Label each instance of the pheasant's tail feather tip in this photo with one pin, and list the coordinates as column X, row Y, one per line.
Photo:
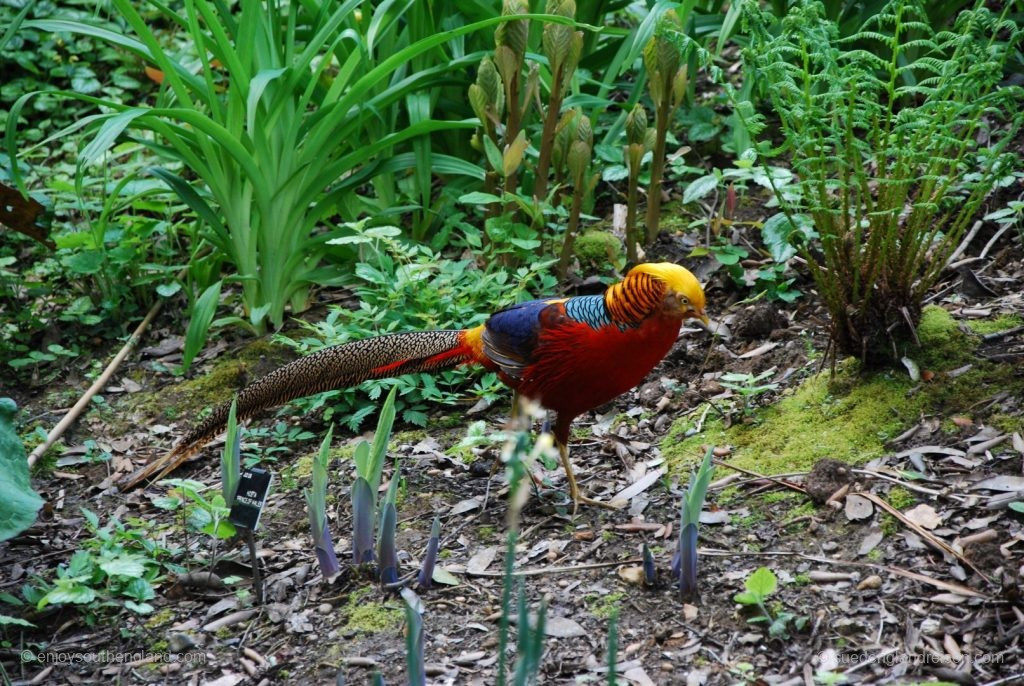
column 157, row 469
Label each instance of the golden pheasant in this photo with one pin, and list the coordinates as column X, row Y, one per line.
column 569, row 355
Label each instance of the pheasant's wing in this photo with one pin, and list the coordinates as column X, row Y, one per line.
column 510, row 336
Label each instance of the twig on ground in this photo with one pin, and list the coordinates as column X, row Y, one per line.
column 96, row 386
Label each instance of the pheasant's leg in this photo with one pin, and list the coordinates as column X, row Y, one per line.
column 574, row 489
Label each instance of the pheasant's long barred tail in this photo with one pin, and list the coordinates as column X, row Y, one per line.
column 341, row 366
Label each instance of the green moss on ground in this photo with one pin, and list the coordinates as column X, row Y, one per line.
column 366, row 616
column 900, row 498
column 822, row 418
column 596, row 247
column 996, row 324
column 191, row 396
column 603, row 607
column 944, row 345
column 850, row 416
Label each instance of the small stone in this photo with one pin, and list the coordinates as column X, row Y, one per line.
column 931, row 626
column 325, row 608
column 666, row 666
column 632, row 575
column 870, row 582
column 180, row 643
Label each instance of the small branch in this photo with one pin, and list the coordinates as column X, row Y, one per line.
column 964, row 243
column 1002, row 334
column 96, row 386
column 780, row 482
column 923, row 533
column 992, row 241
column 540, row 571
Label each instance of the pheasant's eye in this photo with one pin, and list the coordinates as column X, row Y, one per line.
column 684, row 300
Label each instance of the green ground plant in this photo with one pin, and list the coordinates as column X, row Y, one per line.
column 403, row 286
column 883, row 129
column 759, row 587
column 118, row 566
column 283, row 109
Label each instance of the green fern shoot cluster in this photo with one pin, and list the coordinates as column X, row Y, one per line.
column 897, row 134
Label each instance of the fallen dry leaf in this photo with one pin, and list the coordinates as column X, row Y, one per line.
column 858, row 507
column 924, row 516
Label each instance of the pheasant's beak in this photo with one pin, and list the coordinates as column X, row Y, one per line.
column 694, row 313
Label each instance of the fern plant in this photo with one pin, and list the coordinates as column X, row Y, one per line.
column 897, row 133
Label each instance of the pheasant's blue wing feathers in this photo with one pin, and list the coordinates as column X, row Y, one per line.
column 511, row 336
column 589, row 310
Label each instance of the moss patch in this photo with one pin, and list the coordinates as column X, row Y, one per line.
column 900, row 498
column 160, row 618
column 944, row 345
column 824, row 417
column 213, row 388
column 603, row 607
column 369, row 617
column 596, row 247
column 850, row 416
column 996, row 324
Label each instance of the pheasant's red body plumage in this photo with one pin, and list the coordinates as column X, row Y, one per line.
column 569, row 355
column 577, row 367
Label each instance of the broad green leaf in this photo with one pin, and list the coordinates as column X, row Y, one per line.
column 166, row 290
column 494, row 157
column 7, row 620
column 68, row 591
column 443, row 576
column 379, row 449
column 513, row 155
column 19, row 503
column 762, row 582
column 361, row 457
column 775, row 233
column 746, row 598
column 138, row 608
column 139, row 589
column 230, row 461
column 379, row 232
column 700, row 188
column 123, row 565
column 478, row 198
column 85, row 262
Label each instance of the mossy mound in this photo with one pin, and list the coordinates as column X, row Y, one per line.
column 944, row 345
column 597, row 247
column 824, row 417
column 851, row 415
column 191, row 396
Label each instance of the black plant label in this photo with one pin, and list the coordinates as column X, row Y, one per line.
column 253, row 487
